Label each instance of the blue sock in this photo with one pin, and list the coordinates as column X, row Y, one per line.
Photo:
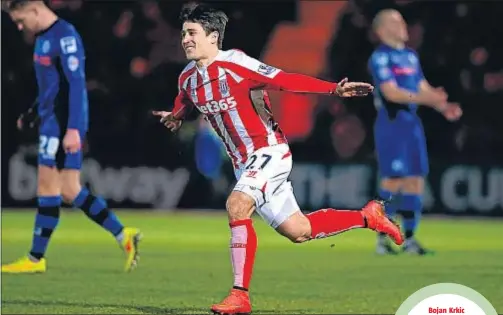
column 97, row 210
column 46, row 221
column 411, row 207
column 391, row 206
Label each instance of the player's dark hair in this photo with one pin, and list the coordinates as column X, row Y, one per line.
column 211, row 20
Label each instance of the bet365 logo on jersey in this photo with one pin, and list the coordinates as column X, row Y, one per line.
column 213, row 107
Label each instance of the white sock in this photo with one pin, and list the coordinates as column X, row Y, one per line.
column 409, row 241
column 119, row 237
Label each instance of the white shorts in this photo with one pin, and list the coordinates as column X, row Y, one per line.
column 265, row 179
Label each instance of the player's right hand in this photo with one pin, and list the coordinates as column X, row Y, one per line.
column 452, row 111
column 168, row 120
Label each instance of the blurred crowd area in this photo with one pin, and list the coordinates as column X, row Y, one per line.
column 134, row 59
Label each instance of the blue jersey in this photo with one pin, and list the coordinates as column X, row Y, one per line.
column 400, row 66
column 59, row 66
column 62, row 95
column 399, row 136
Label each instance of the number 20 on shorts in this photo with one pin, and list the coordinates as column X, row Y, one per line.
column 48, row 146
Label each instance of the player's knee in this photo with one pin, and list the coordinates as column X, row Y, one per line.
column 69, row 191
column 304, row 237
column 296, row 228
column 297, row 236
column 391, row 184
column 45, row 183
column 239, row 206
column 48, row 181
column 413, row 185
column 70, row 185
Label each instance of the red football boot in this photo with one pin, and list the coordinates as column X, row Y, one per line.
column 378, row 221
column 237, row 303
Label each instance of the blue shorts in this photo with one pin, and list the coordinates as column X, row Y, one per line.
column 50, row 149
column 401, row 145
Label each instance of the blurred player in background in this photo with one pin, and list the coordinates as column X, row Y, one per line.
column 209, row 151
column 228, row 88
column 399, row 135
column 62, row 111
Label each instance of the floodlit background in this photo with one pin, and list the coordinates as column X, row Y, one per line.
column 133, row 62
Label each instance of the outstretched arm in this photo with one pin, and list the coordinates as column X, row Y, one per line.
column 262, row 76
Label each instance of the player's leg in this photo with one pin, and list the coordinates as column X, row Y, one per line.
column 48, row 210
column 411, row 201
column 283, row 214
column 389, row 190
column 411, row 205
column 252, row 190
column 96, row 208
column 390, row 144
column 243, row 246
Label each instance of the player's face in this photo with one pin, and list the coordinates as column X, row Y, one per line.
column 25, row 19
column 396, row 27
column 195, row 42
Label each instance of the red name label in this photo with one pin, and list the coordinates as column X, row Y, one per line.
column 43, row 60
column 450, row 310
column 404, row 70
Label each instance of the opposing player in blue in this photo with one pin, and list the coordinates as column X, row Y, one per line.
column 399, row 136
column 61, row 113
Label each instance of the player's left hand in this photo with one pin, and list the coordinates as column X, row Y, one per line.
column 71, row 141
column 27, row 120
column 351, row 89
column 452, row 112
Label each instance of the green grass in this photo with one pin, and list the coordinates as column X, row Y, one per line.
column 185, row 267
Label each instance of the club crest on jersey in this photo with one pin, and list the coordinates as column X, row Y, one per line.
column 46, row 46
column 266, row 69
column 224, row 87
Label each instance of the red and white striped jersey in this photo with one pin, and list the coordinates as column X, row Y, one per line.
column 231, row 93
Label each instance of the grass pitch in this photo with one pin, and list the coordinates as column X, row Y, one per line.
column 185, row 267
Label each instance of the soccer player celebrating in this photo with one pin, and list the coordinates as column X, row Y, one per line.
column 229, row 89
column 399, row 135
column 63, row 117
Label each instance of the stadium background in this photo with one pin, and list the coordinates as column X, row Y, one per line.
column 134, row 58
column 133, row 61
